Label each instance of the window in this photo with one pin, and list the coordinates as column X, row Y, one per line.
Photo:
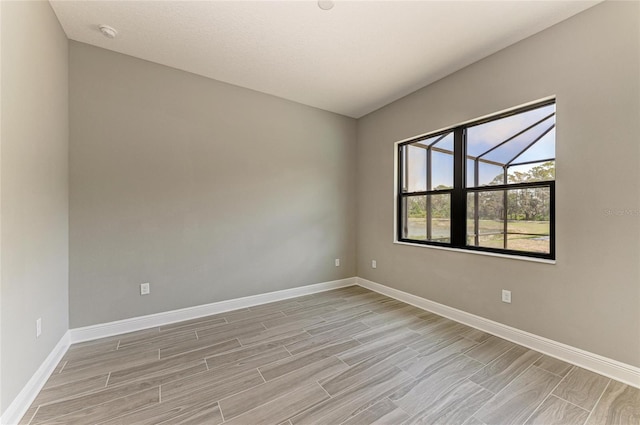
column 488, row 185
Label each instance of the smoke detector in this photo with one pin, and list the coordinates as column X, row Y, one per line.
column 108, row 31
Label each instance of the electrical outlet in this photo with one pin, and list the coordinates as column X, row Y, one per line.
column 374, row 264
column 38, row 327
column 506, row 296
column 337, row 262
column 145, row 288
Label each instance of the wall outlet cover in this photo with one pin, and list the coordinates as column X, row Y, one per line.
column 506, row 296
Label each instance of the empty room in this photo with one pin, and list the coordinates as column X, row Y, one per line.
column 319, row 212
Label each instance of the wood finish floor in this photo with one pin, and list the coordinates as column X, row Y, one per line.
column 348, row 356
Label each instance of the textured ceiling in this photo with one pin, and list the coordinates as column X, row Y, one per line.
column 351, row 60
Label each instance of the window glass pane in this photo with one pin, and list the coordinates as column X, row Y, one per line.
column 525, row 137
column 471, row 210
column 514, row 147
column 446, row 143
column 544, row 148
column 487, row 226
column 528, row 218
column 414, row 218
column 441, row 171
column 536, row 172
column 471, row 169
column 490, row 174
column 481, row 138
column 415, row 173
column 427, row 218
column 439, row 219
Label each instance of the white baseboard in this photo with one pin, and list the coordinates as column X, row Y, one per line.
column 102, row 330
column 23, row 400
column 614, row 369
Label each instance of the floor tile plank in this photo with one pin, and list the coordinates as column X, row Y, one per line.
column 555, row 366
column 209, row 386
column 413, row 396
column 582, row 388
column 437, row 352
column 499, row 373
column 291, row 364
column 99, row 412
column 261, row 394
column 554, row 411
column 492, row 348
column 520, row 398
column 320, row 340
column 453, row 406
column 385, row 412
column 619, row 405
column 354, row 400
column 365, row 369
column 279, row 411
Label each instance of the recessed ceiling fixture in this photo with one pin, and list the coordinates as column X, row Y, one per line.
column 108, row 31
column 326, row 4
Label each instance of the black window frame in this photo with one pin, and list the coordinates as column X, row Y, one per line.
column 459, row 192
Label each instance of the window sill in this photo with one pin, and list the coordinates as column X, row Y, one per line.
column 489, row 254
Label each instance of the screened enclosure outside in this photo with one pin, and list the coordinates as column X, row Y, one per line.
column 487, row 185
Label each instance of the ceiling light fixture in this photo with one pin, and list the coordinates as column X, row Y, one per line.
column 326, row 4
column 108, row 31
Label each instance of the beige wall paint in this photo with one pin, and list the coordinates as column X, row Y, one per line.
column 34, row 190
column 206, row 190
column 590, row 299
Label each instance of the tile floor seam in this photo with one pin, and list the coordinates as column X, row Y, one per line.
column 545, row 399
column 586, row 421
column 486, row 389
column 262, row 376
column 558, row 375
column 96, row 405
column 287, row 350
column 33, row 416
column 482, row 405
column 573, row 404
column 487, row 365
column 221, row 414
column 509, row 383
column 401, row 409
column 323, row 388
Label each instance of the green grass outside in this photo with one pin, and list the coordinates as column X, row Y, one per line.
column 516, row 240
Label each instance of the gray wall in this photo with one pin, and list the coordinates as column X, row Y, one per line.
column 206, row 190
column 590, row 298
column 34, row 190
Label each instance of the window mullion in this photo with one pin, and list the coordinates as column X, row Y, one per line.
column 458, row 201
column 428, row 199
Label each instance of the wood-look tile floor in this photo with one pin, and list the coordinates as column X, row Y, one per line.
column 348, row 356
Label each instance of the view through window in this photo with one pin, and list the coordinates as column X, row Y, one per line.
column 488, row 185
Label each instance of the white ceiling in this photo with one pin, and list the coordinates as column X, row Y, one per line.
column 351, row 60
